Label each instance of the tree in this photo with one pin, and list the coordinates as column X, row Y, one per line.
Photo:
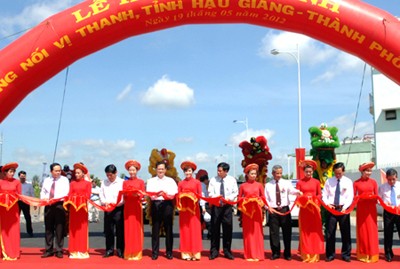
column 36, row 185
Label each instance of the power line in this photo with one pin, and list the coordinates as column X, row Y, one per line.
column 61, row 113
column 14, row 34
column 356, row 116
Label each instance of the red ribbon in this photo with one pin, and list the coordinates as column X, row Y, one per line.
column 8, row 199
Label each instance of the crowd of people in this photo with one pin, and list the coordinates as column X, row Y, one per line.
column 203, row 203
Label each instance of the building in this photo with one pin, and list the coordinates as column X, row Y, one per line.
column 355, row 152
column 385, row 109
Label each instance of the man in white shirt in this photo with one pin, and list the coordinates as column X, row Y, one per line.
column 277, row 195
column 390, row 194
column 27, row 190
column 339, row 200
column 113, row 220
column 225, row 186
column 54, row 187
column 162, row 209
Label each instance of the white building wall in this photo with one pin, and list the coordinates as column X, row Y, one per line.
column 386, row 96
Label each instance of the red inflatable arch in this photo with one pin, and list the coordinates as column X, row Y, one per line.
column 349, row 25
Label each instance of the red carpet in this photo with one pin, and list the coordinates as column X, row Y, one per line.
column 30, row 259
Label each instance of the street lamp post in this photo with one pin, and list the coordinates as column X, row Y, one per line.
column 300, row 151
column 234, row 158
column 43, row 173
column 288, row 166
column 297, row 58
column 246, row 124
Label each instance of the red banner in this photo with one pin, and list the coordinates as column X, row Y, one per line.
column 349, row 25
column 300, row 156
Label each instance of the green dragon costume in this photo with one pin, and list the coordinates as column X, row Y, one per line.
column 324, row 140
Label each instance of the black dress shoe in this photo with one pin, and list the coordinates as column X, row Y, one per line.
column 108, row 253
column 329, row 259
column 229, row 255
column 274, row 257
column 59, row 254
column 346, row 259
column 388, row 259
column 154, row 257
column 47, row 254
column 169, row 256
column 120, row 254
column 288, row 258
column 213, row 256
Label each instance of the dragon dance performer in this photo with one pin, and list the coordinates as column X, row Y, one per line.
column 311, row 241
column 189, row 216
column 79, row 194
column 366, row 218
column 251, row 206
column 133, row 215
column 9, row 213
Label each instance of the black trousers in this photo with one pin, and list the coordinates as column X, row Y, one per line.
column 114, row 227
column 54, row 222
column 275, row 222
column 221, row 215
column 26, row 210
column 162, row 213
column 389, row 220
column 344, row 224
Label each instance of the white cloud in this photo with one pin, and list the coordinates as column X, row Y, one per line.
column 184, row 140
column 237, row 138
column 124, row 93
column 64, row 152
column 28, row 158
column 332, row 62
column 345, row 125
column 202, row 157
column 33, row 15
column 312, row 52
column 166, row 93
column 342, row 63
column 99, row 144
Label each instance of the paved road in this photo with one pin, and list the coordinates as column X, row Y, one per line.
column 97, row 240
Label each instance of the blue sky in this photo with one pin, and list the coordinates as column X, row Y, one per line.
column 118, row 105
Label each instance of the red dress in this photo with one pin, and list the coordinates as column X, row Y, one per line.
column 252, row 219
column 189, row 219
column 133, row 219
column 9, row 218
column 311, row 242
column 79, row 194
column 366, row 221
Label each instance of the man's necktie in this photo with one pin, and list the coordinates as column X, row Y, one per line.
column 393, row 196
column 222, row 192
column 336, row 200
column 222, row 189
column 52, row 189
column 278, row 195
